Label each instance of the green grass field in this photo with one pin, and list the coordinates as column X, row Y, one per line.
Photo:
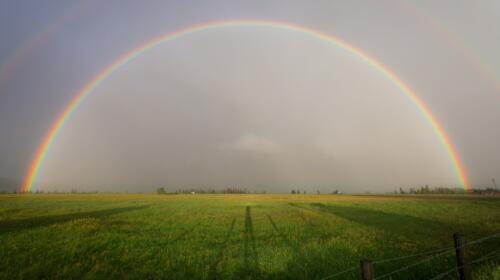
column 240, row 236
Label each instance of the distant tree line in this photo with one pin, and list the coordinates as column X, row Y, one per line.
column 317, row 192
column 73, row 191
column 228, row 190
column 444, row 190
column 487, row 191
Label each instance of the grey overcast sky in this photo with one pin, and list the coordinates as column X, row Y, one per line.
column 254, row 107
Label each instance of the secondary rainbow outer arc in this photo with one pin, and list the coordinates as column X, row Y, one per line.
column 22, row 54
column 56, row 127
column 473, row 58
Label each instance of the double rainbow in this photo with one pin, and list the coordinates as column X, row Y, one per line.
column 21, row 55
column 56, row 127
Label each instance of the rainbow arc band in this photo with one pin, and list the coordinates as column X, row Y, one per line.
column 19, row 57
column 61, row 120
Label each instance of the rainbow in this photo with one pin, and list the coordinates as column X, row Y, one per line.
column 19, row 57
column 473, row 58
column 63, row 117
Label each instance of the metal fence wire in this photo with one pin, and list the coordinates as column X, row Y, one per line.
column 431, row 254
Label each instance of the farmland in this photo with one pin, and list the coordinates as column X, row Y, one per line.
column 241, row 236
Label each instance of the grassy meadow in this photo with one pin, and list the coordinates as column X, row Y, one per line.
column 150, row 236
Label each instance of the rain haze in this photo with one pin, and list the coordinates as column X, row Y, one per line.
column 252, row 106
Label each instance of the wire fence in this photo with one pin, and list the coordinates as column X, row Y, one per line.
column 430, row 255
column 340, row 273
column 486, row 257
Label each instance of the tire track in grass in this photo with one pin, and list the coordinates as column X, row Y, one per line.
column 322, row 232
column 295, row 248
column 44, row 221
column 250, row 253
column 314, row 228
column 218, row 257
column 176, row 244
column 184, row 233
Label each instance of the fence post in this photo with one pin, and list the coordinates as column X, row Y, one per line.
column 367, row 272
column 460, row 250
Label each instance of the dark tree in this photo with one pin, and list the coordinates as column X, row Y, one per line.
column 161, row 191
